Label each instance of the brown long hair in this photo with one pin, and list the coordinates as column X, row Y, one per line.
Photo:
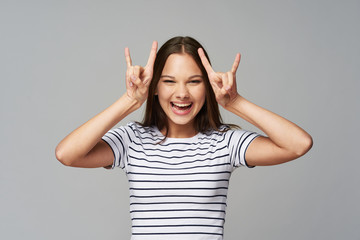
column 209, row 116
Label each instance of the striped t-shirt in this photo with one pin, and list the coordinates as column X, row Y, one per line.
column 178, row 188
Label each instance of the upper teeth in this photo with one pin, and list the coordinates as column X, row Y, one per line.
column 182, row 104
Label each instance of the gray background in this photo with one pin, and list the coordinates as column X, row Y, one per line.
column 62, row 62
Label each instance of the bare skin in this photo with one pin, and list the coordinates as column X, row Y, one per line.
column 83, row 147
column 181, row 82
column 285, row 140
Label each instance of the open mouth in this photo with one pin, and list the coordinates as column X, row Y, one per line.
column 181, row 106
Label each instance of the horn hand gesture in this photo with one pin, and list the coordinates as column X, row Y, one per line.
column 138, row 78
column 223, row 84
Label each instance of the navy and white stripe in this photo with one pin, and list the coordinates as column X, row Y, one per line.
column 178, row 188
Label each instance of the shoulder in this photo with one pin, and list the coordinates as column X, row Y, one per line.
column 230, row 134
column 215, row 134
column 141, row 132
column 222, row 131
column 140, row 129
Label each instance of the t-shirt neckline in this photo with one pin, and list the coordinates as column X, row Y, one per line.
column 189, row 139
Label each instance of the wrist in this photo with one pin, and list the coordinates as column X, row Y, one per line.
column 132, row 103
column 235, row 101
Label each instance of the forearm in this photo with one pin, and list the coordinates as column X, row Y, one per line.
column 282, row 132
column 79, row 142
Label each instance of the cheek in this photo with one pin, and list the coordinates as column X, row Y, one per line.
column 164, row 96
column 163, row 92
column 200, row 93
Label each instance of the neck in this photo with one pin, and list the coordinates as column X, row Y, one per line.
column 180, row 131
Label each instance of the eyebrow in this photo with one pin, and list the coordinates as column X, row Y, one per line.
column 172, row 77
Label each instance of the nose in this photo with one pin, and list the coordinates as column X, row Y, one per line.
column 182, row 91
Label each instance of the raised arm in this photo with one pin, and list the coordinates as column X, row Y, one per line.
column 285, row 140
column 83, row 147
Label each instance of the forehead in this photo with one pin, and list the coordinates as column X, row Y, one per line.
column 180, row 64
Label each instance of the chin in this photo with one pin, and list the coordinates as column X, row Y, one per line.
column 182, row 122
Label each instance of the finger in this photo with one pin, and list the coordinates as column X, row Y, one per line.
column 223, row 90
column 136, row 71
column 128, row 74
column 147, row 80
column 135, row 77
column 216, row 90
column 205, row 61
column 219, row 76
column 236, row 63
column 225, row 81
column 136, row 81
column 127, row 57
column 215, row 86
column 131, row 77
column 152, row 55
column 230, row 81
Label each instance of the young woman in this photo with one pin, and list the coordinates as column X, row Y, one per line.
column 179, row 159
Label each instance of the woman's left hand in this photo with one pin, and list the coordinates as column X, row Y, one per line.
column 285, row 140
column 223, row 83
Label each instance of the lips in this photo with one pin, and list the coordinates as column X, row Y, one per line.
column 181, row 108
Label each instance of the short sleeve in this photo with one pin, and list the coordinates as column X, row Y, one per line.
column 118, row 139
column 238, row 142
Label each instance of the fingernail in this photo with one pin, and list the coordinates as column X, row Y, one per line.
column 133, row 77
column 131, row 84
column 227, row 88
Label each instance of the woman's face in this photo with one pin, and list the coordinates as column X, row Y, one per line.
column 181, row 91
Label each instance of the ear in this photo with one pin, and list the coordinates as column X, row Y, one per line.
column 156, row 92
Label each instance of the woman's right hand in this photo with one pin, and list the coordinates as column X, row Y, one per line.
column 138, row 78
